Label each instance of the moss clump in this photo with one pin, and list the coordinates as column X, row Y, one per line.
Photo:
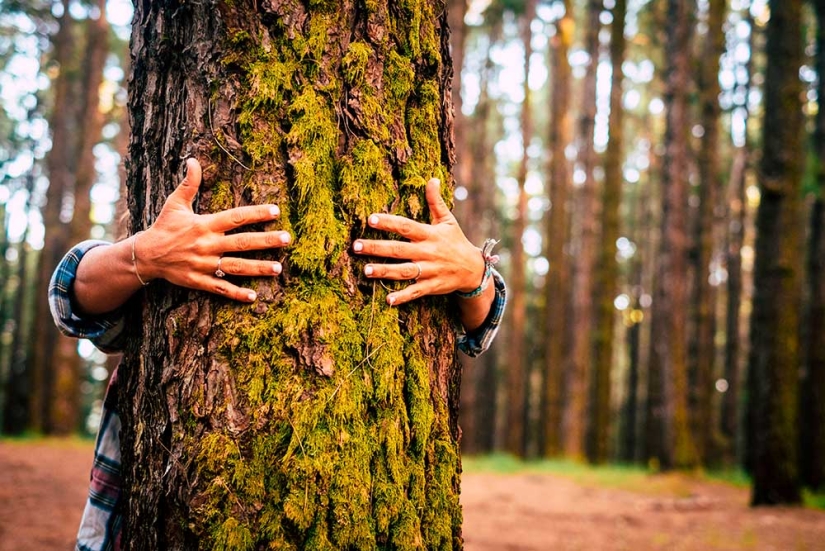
column 367, row 185
column 354, row 64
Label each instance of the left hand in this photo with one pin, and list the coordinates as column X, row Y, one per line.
column 439, row 258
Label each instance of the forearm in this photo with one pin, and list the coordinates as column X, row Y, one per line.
column 106, row 279
column 473, row 311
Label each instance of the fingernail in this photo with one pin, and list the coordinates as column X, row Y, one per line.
column 391, row 299
column 284, row 238
column 437, row 181
column 368, row 270
column 374, row 220
column 277, row 268
column 358, row 246
column 274, row 211
column 252, row 296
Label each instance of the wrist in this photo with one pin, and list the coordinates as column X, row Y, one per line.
column 140, row 266
column 487, row 261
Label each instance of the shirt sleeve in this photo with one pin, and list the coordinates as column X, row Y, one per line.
column 105, row 331
column 476, row 342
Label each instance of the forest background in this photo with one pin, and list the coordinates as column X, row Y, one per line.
column 651, row 168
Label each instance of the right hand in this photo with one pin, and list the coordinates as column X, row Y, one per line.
column 184, row 248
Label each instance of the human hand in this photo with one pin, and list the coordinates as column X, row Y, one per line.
column 439, row 257
column 186, row 248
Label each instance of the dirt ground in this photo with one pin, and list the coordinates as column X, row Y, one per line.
column 43, row 487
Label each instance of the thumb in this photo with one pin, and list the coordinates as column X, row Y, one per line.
column 185, row 193
column 438, row 208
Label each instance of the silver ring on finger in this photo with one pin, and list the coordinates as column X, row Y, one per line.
column 219, row 272
column 417, row 265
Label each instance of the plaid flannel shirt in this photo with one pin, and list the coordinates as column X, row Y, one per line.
column 100, row 527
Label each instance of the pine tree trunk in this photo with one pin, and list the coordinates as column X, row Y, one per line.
column 774, row 357
column 577, row 385
column 669, row 316
column 64, row 408
column 517, row 365
column 55, row 242
column 556, row 282
column 607, row 274
column 813, row 387
column 319, row 417
column 703, row 349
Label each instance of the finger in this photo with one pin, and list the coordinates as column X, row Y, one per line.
column 398, row 272
column 404, row 227
column 246, row 267
column 439, row 212
column 386, row 249
column 409, row 293
column 254, row 241
column 241, row 216
column 222, row 287
column 185, row 193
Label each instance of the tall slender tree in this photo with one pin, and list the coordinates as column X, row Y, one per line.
column 517, row 365
column 703, row 349
column 669, row 340
column 813, row 387
column 320, row 418
column 555, row 231
column 774, row 358
column 607, row 274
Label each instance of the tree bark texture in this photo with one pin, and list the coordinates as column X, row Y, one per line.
column 813, row 388
column 555, row 232
column 319, row 417
column 607, row 269
column 578, row 373
column 669, row 316
column 775, row 346
column 703, row 349
column 518, row 362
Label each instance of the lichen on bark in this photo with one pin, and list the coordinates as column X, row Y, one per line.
column 319, row 417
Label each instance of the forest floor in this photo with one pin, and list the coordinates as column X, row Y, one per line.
column 507, row 506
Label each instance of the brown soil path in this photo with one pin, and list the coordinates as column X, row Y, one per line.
column 43, row 487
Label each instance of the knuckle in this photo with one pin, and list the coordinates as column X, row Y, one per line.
column 238, row 216
column 408, row 271
column 405, row 228
column 396, row 249
column 232, row 266
column 416, row 292
column 272, row 239
column 221, row 289
column 243, row 242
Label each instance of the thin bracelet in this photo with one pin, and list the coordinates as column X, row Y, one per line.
column 489, row 260
column 134, row 259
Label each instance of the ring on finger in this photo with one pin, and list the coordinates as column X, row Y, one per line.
column 219, row 272
column 417, row 265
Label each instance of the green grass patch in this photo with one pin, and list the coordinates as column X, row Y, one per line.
column 30, row 438
column 813, row 500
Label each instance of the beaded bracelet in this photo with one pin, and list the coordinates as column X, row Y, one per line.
column 489, row 260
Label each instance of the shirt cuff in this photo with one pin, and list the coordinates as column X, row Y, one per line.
column 476, row 342
column 105, row 331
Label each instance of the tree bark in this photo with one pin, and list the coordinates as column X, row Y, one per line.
column 669, row 315
column 607, row 271
column 775, row 342
column 319, row 417
column 555, row 233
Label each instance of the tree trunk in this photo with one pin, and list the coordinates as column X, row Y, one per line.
column 703, row 349
column 669, row 316
column 64, row 408
column 517, row 365
column 577, row 383
column 556, row 282
column 56, row 239
column 813, row 389
column 607, row 274
column 319, row 417
column 775, row 327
